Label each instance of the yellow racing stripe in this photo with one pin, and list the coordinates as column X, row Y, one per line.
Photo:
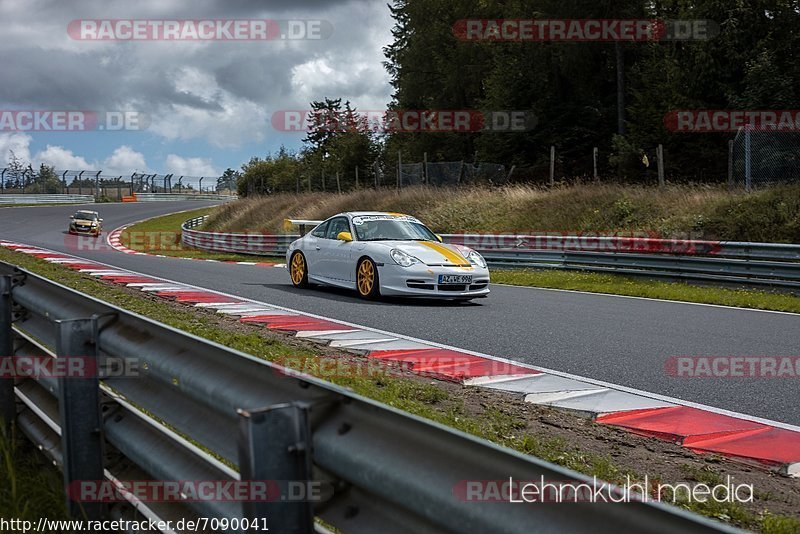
column 454, row 257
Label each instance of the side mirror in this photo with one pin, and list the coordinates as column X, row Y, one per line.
column 439, row 238
column 101, row 220
column 345, row 236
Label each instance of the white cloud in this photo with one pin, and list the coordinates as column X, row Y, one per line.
column 62, row 159
column 180, row 166
column 19, row 143
column 124, row 160
column 219, row 92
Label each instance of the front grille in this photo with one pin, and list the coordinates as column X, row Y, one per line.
column 420, row 285
column 453, row 288
column 476, row 287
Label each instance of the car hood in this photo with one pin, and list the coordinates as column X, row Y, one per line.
column 431, row 252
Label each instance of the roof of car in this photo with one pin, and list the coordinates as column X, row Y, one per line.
column 367, row 213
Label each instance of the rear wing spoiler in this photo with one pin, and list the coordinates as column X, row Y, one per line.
column 304, row 225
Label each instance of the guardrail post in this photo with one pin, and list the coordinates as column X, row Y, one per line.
column 79, row 407
column 8, row 410
column 275, row 447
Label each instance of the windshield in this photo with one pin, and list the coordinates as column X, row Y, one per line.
column 85, row 215
column 393, row 230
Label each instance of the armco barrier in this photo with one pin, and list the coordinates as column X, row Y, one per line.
column 166, row 197
column 748, row 264
column 46, row 199
column 196, row 408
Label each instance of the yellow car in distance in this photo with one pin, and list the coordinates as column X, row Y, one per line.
column 85, row 222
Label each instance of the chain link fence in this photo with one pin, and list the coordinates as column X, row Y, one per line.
column 113, row 187
column 761, row 159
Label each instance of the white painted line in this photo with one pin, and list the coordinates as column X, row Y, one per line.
column 395, row 344
column 321, row 334
column 347, row 343
column 542, row 383
column 240, row 312
column 166, row 288
column 596, row 401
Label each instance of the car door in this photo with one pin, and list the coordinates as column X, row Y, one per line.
column 335, row 262
column 312, row 248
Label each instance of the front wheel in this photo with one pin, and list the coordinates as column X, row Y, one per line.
column 298, row 270
column 367, row 282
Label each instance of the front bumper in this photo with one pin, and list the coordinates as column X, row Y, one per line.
column 423, row 281
column 84, row 231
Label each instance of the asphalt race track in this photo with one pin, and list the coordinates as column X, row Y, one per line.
column 620, row 340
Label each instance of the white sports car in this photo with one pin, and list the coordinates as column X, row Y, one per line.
column 385, row 254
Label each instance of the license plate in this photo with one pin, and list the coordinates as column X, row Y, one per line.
column 461, row 279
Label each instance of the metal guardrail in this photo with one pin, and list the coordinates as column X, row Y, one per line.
column 46, row 199
column 199, row 411
column 249, row 243
column 749, row 264
column 166, row 197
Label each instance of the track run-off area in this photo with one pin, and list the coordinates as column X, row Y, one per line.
column 620, row 340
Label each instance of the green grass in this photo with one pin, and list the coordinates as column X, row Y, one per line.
column 638, row 287
column 421, row 397
column 161, row 235
column 30, row 488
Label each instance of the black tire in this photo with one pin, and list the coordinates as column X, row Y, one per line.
column 298, row 262
column 368, row 287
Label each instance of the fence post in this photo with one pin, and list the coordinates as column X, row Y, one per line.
column 80, row 183
column 595, row 154
column 510, row 173
column 730, row 165
column 356, row 176
column 201, row 184
column 97, row 185
column 660, row 157
column 425, row 179
column 79, row 408
column 133, row 191
column 748, row 162
column 3, row 181
column 297, row 183
column 8, row 409
column 399, row 170
column 338, row 185
column 323, row 180
column 552, row 165
column 275, row 445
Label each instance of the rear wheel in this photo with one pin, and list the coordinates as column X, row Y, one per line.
column 298, row 270
column 367, row 282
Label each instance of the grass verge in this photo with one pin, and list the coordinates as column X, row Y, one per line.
column 675, row 211
column 615, row 284
column 30, row 488
column 596, row 450
column 162, row 235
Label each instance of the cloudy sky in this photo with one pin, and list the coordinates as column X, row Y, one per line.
column 208, row 103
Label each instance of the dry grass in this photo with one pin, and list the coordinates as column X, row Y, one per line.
column 674, row 211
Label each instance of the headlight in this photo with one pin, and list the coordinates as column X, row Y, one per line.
column 476, row 259
column 403, row 259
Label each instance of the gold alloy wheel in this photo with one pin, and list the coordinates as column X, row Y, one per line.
column 298, row 269
column 366, row 277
